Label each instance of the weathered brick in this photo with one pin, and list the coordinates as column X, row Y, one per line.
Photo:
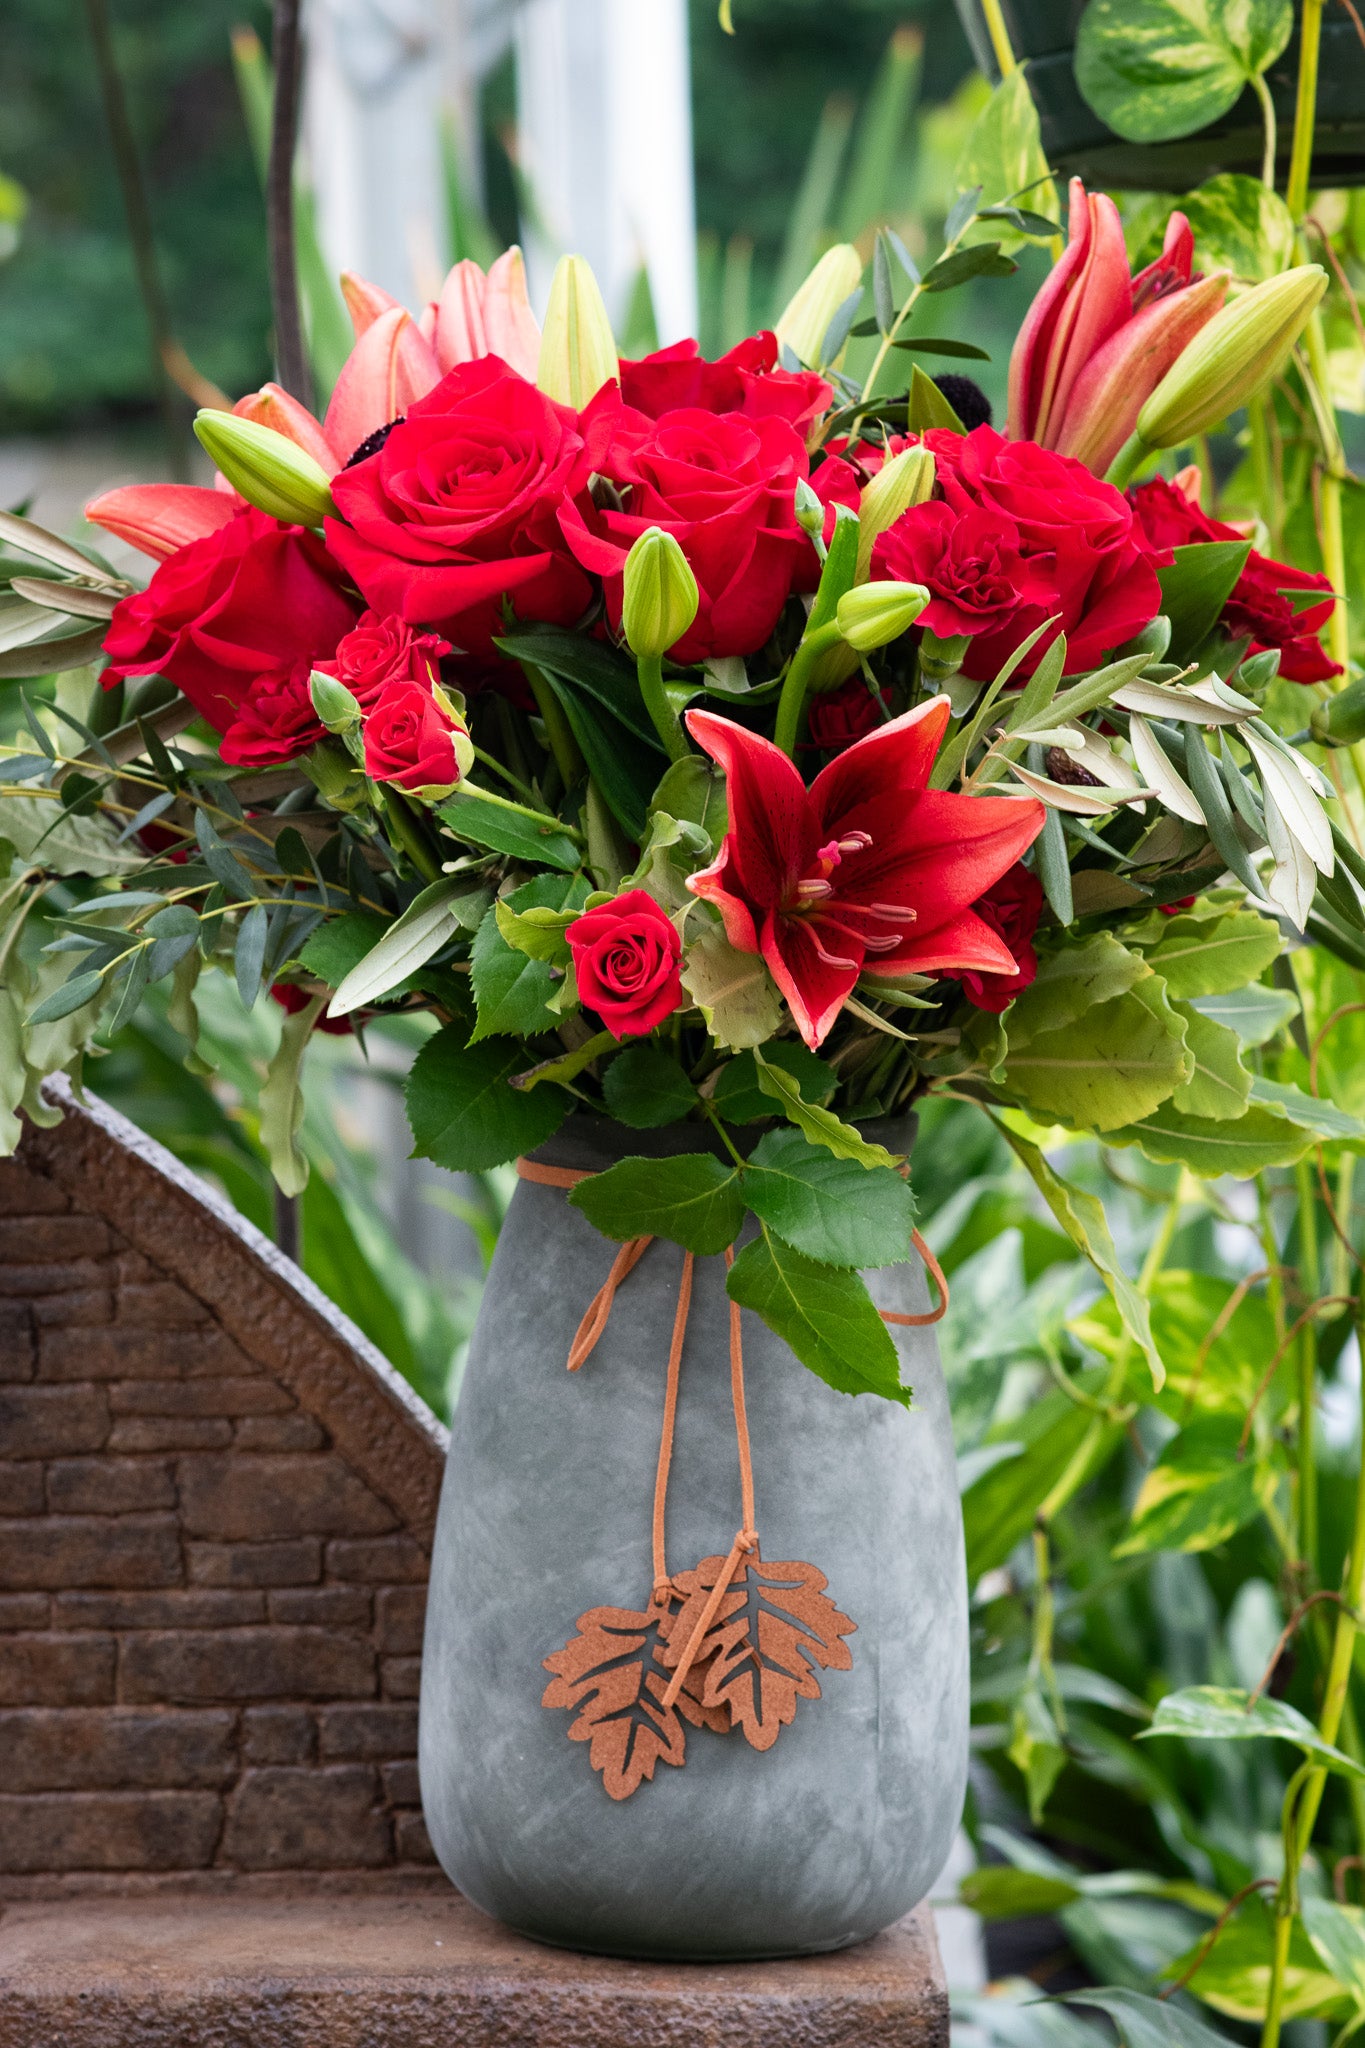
column 412, row 1840
column 29, row 1280
column 56, row 1671
column 245, row 1664
column 209, row 1397
column 109, row 1831
column 169, row 1433
column 400, row 1678
column 28, row 1194
column 295, row 1563
column 21, row 1490
column 24, row 1610
column 382, row 1731
column 400, row 1614
column 306, row 1820
column 323, row 1606
column 87, row 1307
column 159, row 1304
column 131, row 1267
column 247, row 1496
column 278, row 1735
column 58, row 1552
column 81, row 1749
column 279, row 1433
column 371, row 1563
column 402, row 1783
column 122, row 1354
column 52, row 1237
column 51, row 1422
column 108, row 1486
column 18, row 1352
column 179, row 1607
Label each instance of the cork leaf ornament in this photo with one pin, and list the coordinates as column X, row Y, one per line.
column 606, row 1674
column 773, row 1622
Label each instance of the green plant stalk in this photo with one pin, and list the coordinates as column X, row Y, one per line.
column 1270, row 2031
column 409, row 837
column 1262, row 92
column 1130, row 456
column 792, row 703
column 999, row 35
column 563, row 745
column 1268, row 490
column 1310, row 1274
column 1332, row 535
column 1305, row 107
column 651, row 672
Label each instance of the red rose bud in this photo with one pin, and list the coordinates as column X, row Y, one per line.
column 626, row 958
column 379, row 651
column 413, row 737
column 277, row 722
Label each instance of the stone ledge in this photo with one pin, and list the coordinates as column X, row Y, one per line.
column 425, row 1970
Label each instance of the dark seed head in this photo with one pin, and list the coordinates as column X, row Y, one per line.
column 967, row 399
column 372, row 443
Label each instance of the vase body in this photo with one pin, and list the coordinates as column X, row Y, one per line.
column 840, row 1827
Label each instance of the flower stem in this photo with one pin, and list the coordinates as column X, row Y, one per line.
column 1000, row 37
column 651, row 672
column 406, row 832
column 796, row 688
column 1311, row 1282
column 1305, row 107
column 1133, row 452
column 1262, row 92
column 563, row 745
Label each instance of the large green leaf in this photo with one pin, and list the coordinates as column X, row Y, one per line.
column 824, row 1312
column 821, row 1126
column 734, row 991
column 1070, row 982
column 1219, row 1085
column 463, row 1111
column 1197, row 583
column 511, row 989
column 693, row 1198
column 1214, row 1350
column 1241, row 226
column 1198, row 956
column 1309, row 1112
column 65, row 842
column 1107, row 1067
column 997, row 1892
column 1234, row 1973
column 1225, row 1713
column 1145, row 2022
column 1337, row 1932
column 600, row 695
column 999, row 1507
column 473, row 818
column 1254, row 1013
column 693, row 790
column 646, row 1088
column 1004, row 155
column 1201, row 1490
column 1157, row 69
column 738, row 1096
column 1242, row 1146
column 832, row 1209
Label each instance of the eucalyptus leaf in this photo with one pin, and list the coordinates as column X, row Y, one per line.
column 428, row 923
column 281, row 1100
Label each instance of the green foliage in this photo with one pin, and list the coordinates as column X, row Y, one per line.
column 1157, row 69
column 646, row 1088
column 823, row 1312
column 463, row 1111
column 831, row 1208
column 694, row 1199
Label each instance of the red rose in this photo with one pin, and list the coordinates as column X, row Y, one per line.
column 459, row 507
column 978, row 579
column 251, row 599
column 1257, row 610
column 836, row 718
column 1011, row 907
column 1077, row 533
column 724, row 486
column 276, row 720
column 626, row 956
column 413, row 739
column 379, row 651
column 747, row 381
column 292, row 998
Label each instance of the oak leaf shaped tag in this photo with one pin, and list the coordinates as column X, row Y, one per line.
column 605, row 1674
column 773, row 1621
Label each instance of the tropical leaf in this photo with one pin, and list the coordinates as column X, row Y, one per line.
column 1158, row 69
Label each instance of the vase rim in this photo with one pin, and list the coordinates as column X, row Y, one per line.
column 590, row 1143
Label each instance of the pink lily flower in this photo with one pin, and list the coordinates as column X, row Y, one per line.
column 1097, row 341
column 159, row 518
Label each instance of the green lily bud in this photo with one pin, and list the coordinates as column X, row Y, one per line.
column 1340, row 721
column 659, row 599
column 804, row 321
column 906, row 480
column 333, row 702
column 577, row 349
column 271, row 472
column 1232, row 358
column 941, row 659
column 871, row 615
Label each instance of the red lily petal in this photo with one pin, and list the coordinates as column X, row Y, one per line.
column 964, row 941
column 273, row 407
column 895, row 756
column 364, row 301
column 815, row 990
column 1033, row 344
column 773, row 831
column 936, row 851
column 1101, row 301
column 710, row 885
column 1177, row 254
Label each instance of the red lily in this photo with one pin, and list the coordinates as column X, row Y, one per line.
column 1096, row 341
column 866, row 872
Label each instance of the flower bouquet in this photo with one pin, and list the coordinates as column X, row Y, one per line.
column 723, row 756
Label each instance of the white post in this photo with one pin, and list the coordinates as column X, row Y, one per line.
column 605, row 134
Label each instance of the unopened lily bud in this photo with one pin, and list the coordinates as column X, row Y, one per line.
column 804, row 321
column 871, row 615
column 270, row 471
column 1230, row 360
column 659, row 597
column 906, row 480
column 1340, row 721
column 338, row 710
column 941, row 659
column 810, row 512
column 577, row 348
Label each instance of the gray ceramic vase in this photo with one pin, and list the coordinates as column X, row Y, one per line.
column 840, row 1827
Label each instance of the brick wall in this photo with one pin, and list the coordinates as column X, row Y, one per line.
column 215, row 1516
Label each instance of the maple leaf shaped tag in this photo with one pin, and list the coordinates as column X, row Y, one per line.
column 772, row 1621
column 602, row 1675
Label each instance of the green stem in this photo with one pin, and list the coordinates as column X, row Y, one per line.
column 1270, row 2032
column 563, row 745
column 1334, row 464
column 513, row 781
column 1305, row 107
column 1311, row 1278
column 792, row 703
column 1262, row 92
column 1263, row 465
column 1000, row 39
column 1133, row 452
column 406, row 832
column 650, row 669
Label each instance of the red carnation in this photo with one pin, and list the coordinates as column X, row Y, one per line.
column 1011, row 907
column 747, row 381
column 275, row 722
column 973, row 566
column 836, row 718
column 625, row 957
column 378, row 651
column 1257, row 609
column 247, row 601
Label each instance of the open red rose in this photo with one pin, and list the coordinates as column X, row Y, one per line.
column 746, row 380
column 625, row 957
column 378, row 651
column 723, row 485
column 1172, row 517
column 459, row 507
column 1011, row 907
column 412, row 738
column 971, row 563
column 249, row 600
column 276, row 720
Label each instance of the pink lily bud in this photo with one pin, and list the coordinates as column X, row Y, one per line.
column 364, row 301
column 390, row 367
column 459, row 336
column 1118, row 380
column 1087, row 297
column 159, row 518
column 273, row 407
column 512, row 329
